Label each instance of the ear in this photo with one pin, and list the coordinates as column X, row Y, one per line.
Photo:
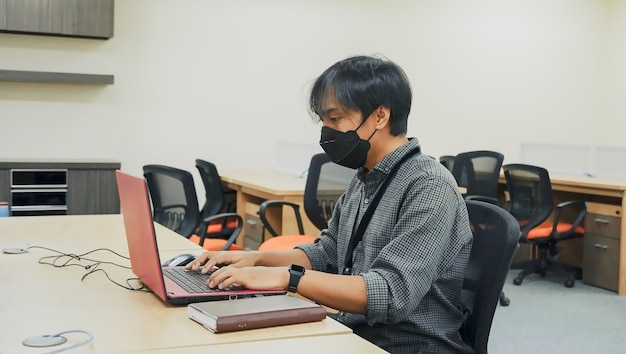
column 383, row 114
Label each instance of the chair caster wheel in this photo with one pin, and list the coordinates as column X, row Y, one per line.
column 518, row 281
column 569, row 283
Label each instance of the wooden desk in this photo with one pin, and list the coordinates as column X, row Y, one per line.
column 593, row 189
column 81, row 232
column 254, row 187
column 39, row 299
column 344, row 343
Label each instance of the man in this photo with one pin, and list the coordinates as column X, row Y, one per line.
column 400, row 283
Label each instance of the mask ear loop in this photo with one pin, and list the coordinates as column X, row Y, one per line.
column 363, row 122
column 375, row 130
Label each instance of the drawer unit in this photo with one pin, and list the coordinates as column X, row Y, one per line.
column 58, row 187
column 253, row 229
column 38, row 192
column 602, row 224
column 602, row 245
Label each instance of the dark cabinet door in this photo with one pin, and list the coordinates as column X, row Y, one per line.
column 89, row 18
column 73, row 18
column 92, row 192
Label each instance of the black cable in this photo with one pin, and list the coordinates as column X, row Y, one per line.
column 65, row 260
column 128, row 285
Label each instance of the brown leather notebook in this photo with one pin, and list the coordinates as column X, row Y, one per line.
column 254, row 312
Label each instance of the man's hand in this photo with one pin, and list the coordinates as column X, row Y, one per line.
column 209, row 260
column 260, row 278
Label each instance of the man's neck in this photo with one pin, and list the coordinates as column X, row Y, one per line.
column 389, row 146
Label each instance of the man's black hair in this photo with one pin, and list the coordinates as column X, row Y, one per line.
column 364, row 83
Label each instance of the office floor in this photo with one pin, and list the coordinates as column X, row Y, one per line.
column 546, row 317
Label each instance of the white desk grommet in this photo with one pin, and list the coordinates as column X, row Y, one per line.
column 44, row 341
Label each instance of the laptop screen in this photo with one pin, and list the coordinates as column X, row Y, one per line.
column 140, row 233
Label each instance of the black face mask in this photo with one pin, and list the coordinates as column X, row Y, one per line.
column 345, row 148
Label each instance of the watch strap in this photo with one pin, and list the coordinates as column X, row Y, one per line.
column 295, row 273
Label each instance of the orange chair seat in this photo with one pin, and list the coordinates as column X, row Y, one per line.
column 543, row 230
column 286, row 242
column 214, row 244
column 216, row 226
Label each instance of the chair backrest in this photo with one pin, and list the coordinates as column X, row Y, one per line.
column 447, row 161
column 213, row 189
column 174, row 199
column 325, row 183
column 496, row 236
column 530, row 194
column 478, row 171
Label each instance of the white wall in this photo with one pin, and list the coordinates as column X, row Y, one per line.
column 614, row 128
column 225, row 80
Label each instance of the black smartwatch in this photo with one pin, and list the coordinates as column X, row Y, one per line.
column 295, row 273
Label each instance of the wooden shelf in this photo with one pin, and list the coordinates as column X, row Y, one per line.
column 55, row 78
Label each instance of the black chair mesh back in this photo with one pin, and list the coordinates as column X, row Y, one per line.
column 496, row 235
column 478, row 171
column 447, row 161
column 530, row 194
column 325, row 183
column 213, row 188
column 173, row 196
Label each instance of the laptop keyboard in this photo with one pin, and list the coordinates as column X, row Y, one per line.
column 193, row 282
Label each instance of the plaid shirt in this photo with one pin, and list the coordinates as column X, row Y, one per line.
column 412, row 256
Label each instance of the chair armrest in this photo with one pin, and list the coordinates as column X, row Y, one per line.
column 482, row 198
column 224, row 217
column 279, row 203
column 570, row 204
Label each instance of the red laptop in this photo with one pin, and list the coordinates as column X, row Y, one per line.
column 175, row 285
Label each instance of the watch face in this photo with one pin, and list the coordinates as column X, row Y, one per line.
column 295, row 272
column 296, row 268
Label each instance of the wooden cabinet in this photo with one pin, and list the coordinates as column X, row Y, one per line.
column 254, row 228
column 254, row 187
column 86, row 187
column 601, row 255
column 72, row 18
column 92, row 191
column 3, row 15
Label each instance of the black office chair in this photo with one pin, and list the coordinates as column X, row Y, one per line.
column 478, row 171
column 496, row 235
column 531, row 203
column 325, row 183
column 447, row 161
column 214, row 192
column 175, row 206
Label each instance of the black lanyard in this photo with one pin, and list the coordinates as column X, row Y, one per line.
column 357, row 235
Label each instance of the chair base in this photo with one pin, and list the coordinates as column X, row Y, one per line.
column 543, row 265
column 504, row 301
